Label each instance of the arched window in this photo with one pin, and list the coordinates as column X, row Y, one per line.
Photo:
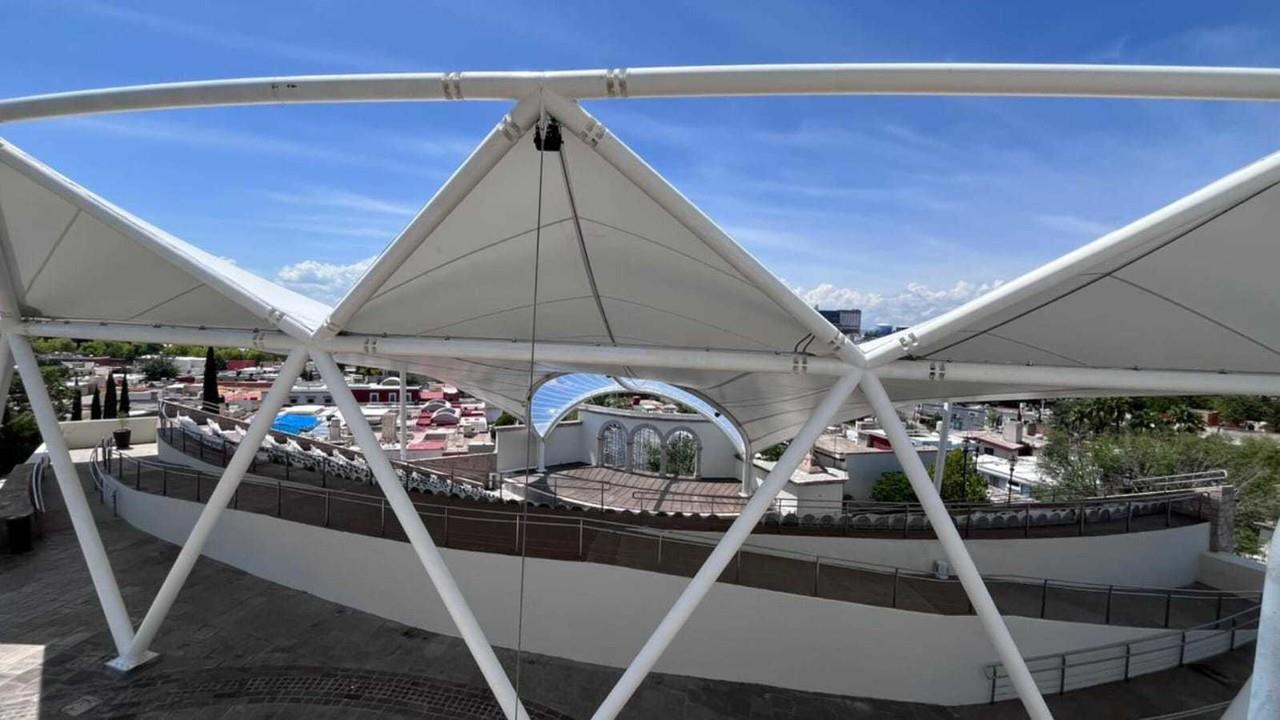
column 647, row 454
column 613, row 445
column 683, row 453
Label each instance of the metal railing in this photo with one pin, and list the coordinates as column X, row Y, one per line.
column 573, row 535
column 1061, row 672
column 36, row 486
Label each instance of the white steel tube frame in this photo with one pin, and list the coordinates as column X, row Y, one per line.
column 726, row 548
column 990, row 79
column 944, row 433
column 570, row 354
column 949, row 538
column 138, row 651
column 1264, row 695
column 404, row 419
column 6, row 373
column 95, row 555
column 425, row 548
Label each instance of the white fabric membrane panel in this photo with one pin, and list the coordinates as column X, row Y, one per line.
column 1200, row 297
column 66, row 241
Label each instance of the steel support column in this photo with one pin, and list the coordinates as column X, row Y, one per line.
column 726, row 549
column 940, row 460
column 95, row 555
column 953, row 546
column 425, row 548
column 139, row 650
column 404, row 419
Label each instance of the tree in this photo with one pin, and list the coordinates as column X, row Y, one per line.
column 158, row 368
column 19, row 433
column 110, row 405
column 773, row 453
column 682, row 455
column 209, row 395
column 505, row 419
column 124, row 395
column 893, row 487
column 77, row 405
column 46, row 346
column 95, row 405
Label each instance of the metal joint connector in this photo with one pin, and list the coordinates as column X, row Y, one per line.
column 258, row 342
column 800, row 364
column 509, row 129
column 593, row 133
column 937, row 371
column 615, row 82
column 908, row 341
column 371, row 346
column 451, row 85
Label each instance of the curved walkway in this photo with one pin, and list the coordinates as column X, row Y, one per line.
column 242, row 633
column 583, row 537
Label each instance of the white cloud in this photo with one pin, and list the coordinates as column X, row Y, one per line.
column 345, row 200
column 1074, row 225
column 323, row 281
column 908, row 306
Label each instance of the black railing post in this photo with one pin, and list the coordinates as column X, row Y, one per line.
column 326, row 509
column 817, row 575
column 382, row 516
column 1128, row 515
column 1168, row 606
column 1044, row 597
column 1110, row 588
column 995, row 674
column 279, row 499
column 1026, row 523
column 446, row 526
column 164, row 482
column 893, row 599
column 1182, row 649
column 1128, row 651
column 581, row 547
column 906, row 520
column 1062, row 681
column 198, row 486
column 1082, row 519
column 137, row 478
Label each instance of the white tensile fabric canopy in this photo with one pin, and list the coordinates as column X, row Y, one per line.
column 1187, row 288
column 69, row 254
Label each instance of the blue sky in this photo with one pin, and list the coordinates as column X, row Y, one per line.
column 903, row 206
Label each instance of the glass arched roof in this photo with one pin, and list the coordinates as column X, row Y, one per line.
column 556, row 397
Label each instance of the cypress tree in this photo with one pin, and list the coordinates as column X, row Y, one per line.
column 77, row 405
column 209, row 396
column 124, row 394
column 95, row 406
column 110, row 407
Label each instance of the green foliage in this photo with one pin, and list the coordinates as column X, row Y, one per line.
column 110, row 404
column 682, row 455
column 893, row 487
column 19, row 434
column 95, row 405
column 1239, row 409
column 158, row 368
column 209, row 393
column 45, row 346
column 124, row 395
column 505, row 419
column 77, row 405
column 773, row 453
column 961, row 483
column 1086, row 418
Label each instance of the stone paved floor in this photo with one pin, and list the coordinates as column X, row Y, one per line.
column 237, row 646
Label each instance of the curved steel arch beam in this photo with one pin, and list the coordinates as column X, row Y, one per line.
column 992, row 79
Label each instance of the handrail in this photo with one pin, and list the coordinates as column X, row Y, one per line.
column 515, row 516
column 1154, row 644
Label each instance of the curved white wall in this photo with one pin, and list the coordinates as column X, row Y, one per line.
column 719, row 456
column 1157, row 558
column 602, row 614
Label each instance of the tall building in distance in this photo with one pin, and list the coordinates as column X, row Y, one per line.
column 848, row 321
